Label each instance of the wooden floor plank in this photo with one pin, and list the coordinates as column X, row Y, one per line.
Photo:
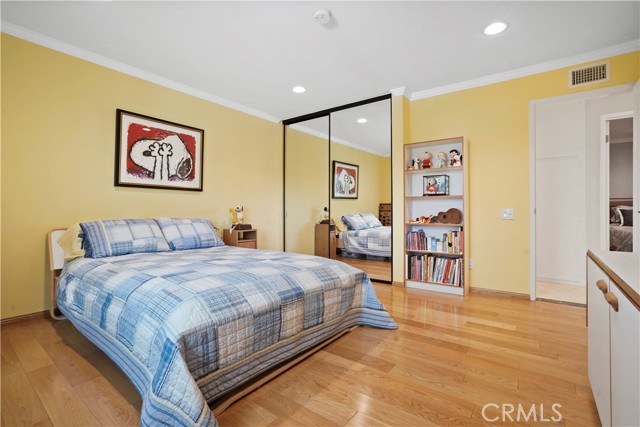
column 106, row 404
column 20, row 403
column 63, row 405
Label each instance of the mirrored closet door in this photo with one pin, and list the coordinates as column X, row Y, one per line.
column 352, row 146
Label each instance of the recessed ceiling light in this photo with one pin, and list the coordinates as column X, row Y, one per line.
column 495, row 28
column 299, row 89
column 361, row 120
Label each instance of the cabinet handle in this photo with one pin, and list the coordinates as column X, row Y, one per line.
column 612, row 300
column 602, row 286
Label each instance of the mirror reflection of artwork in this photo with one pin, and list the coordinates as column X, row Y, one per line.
column 157, row 153
column 345, row 180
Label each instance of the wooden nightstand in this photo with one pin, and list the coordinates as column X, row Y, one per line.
column 326, row 240
column 241, row 238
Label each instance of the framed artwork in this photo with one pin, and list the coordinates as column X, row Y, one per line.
column 156, row 153
column 345, row 180
column 435, row 185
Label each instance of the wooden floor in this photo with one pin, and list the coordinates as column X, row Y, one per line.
column 450, row 358
column 376, row 270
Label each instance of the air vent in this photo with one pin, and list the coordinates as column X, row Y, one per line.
column 591, row 74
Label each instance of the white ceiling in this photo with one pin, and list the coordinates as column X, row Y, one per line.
column 248, row 55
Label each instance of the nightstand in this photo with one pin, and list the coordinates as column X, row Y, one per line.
column 326, row 240
column 241, row 238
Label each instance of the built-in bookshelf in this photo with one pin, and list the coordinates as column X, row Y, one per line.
column 436, row 200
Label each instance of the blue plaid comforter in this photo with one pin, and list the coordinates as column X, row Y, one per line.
column 188, row 326
column 374, row 241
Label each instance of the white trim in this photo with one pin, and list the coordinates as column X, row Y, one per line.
column 42, row 40
column 620, row 49
column 399, row 91
column 340, row 141
column 532, row 201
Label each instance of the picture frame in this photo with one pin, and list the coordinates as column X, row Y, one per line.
column 435, row 185
column 155, row 153
column 346, row 179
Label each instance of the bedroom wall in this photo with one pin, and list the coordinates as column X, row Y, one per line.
column 58, row 148
column 375, row 181
column 495, row 121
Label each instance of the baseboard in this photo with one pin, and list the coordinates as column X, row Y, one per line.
column 396, row 283
column 498, row 293
column 9, row 320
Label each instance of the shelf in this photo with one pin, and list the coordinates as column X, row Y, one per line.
column 420, row 251
column 435, row 171
column 452, row 196
column 438, row 287
column 418, row 205
column 433, row 224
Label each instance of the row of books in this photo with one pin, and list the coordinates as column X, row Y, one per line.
column 450, row 242
column 435, row 269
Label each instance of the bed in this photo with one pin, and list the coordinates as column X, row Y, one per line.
column 621, row 225
column 190, row 320
column 365, row 235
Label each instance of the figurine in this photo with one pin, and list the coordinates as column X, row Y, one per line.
column 426, row 160
column 417, row 163
column 325, row 214
column 237, row 214
column 455, row 158
column 442, row 160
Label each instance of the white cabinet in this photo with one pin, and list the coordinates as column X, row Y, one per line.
column 598, row 339
column 614, row 343
column 625, row 362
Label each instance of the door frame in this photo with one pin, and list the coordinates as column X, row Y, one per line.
column 587, row 95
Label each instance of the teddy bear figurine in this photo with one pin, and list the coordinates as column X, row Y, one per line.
column 455, row 158
column 426, row 160
column 442, row 160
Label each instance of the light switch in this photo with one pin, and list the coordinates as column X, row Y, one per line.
column 507, row 213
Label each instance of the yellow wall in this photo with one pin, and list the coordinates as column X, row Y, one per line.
column 307, row 187
column 58, row 146
column 308, row 183
column 495, row 121
column 375, row 181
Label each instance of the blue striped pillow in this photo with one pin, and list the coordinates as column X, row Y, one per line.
column 354, row 222
column 371, row 220
column 189, row 233
column 122, row 236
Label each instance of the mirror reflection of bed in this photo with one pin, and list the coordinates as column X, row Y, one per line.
column 367, row 144
column 620, row 225
column 367, row 248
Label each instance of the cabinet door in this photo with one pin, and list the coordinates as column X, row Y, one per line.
column 625, row 365
column 598, row 334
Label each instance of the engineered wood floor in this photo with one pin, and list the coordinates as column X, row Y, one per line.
column 376, row 270
column 450, row 358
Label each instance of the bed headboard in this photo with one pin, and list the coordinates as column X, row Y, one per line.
column 56, row 262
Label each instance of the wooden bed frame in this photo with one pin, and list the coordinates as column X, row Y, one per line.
column 56, row 263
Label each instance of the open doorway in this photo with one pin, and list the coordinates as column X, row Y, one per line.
column 570, row 210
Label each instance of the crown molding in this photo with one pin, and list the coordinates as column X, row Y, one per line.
column 399, row 91
column 340, row 141
column 595, row 55
column 60, row 46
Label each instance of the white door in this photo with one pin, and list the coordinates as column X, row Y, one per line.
column 560, row 192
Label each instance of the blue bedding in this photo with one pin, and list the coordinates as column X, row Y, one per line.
column 374, row 241
column 188, row 326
